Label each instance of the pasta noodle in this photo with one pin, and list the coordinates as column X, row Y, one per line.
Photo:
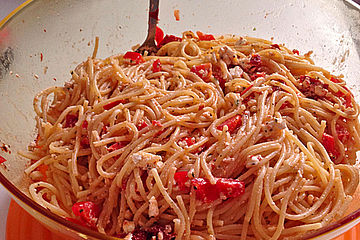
column 210, row 138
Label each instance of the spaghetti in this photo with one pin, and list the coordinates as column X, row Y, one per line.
column 211, row 138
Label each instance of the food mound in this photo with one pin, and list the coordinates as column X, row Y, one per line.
column 210, row 138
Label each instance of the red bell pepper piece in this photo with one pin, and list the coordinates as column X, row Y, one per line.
column 295, row 51
column 156, row 67
column 142, row 124
column 159, row 35
column 116, row 146
column 217, row 73
column 205, row 37
column 232, row 123
column 113, row 104
column 246, row 90
column 275, row 46
column 2, row 160
column 87, row 211
column 167, row 39
column 329, row 143
column 85, row 142
column 134, row 56
column 70, row 120
column 156, row 123
column 85, row 124
column 182, row 180
column 224, row 188
column 204, row 71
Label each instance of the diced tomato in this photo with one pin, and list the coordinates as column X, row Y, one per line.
column 201, row 106
column 159, row 35
column 43, row 169
column 156, row 66
column 104, row 129
column 275, row 46
column 2, row 160
column 205, row 37
column 295, row 51
column 232, row 123
column 189, row 141
column 224, row 187
column 113, row 104
column 246, row 90
column 134, row 56
column 87, row 211
column 255, row 59
column 167, row 39
column 85, row 124
column 182, row 180
column 142, row 124
column 342, row 132
column 204, row 71
column 85, row 142
column 329, row 143
column 156, row 123
column 217, row 73
column 335, row 80
column 70, row 120
column 116, row 146
column 348, row 102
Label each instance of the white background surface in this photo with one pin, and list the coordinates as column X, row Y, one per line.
column 6, row 6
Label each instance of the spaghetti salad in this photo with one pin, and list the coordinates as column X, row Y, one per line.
column 211, row 138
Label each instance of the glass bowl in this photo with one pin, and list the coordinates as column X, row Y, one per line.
column 41, row 41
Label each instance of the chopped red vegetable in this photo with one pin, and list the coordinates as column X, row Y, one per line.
column 134, row 56
column 205, row 37
column 189, row 141
column 182, row 180
column 342, row 132
column 2, row 160
column 204, row 71
column 255, row 59
column 85, row 142
column 329, row 143
column 217, row 73
column 142, row 124
column 113, row 104
column 224, row 188
column 335, row 80
column 275, row 46
column 156, row 67
column 156, row 123
column 85, row 124
column 43, row 169
column 116, row 146
column 87, row 211
column 295, row 51
column 41, row 57
column 257, row 75
column 177, row 14
column 348, row 102
column 159, row 35
column 167, row 39
column 246, row 90
column 70, row 120
column 232, row 123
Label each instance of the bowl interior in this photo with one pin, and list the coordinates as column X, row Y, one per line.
column 44, row 41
